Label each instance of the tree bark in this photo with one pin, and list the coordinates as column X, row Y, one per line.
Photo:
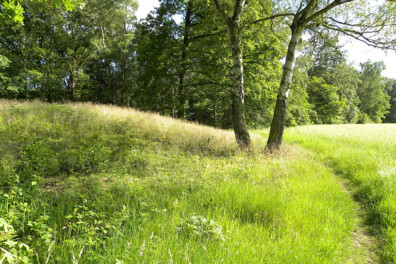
column 184, row 61
column 238, row 94
column 73, row 86
column 238, row 107
column 103, row 37
column 278, row 121
column 73, row 73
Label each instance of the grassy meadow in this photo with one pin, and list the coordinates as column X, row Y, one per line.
column 364, row 155
column 84, row 183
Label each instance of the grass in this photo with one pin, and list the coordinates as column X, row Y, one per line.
column 83, row 183
column 365, row 155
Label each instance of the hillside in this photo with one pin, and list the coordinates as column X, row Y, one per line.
column 83, row 183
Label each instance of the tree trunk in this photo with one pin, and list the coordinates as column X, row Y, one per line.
column 173, row 102
column 215, row 113
column 103, row 37
column 279, row 118
column 73, row 73
column 73, row 87
column 184, row 61
column 240, row 129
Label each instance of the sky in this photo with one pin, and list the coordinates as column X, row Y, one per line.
column 357, row 52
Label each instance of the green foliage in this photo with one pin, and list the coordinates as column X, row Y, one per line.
column 96, row 51
column 391, row 88
column 326, row 101
column 88, row 157
column 347, row 80
column 374, row 101
column 14, row 251
column 363, row 118
column 87, row 225
column 201, row 228
column 55, row 54
column 299, row 109
column 12, row 10
column 36, row 159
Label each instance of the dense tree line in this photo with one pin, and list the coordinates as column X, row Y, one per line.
column 205, row 61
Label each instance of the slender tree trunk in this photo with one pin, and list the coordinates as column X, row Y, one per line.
column 184, row 61
column 181, row 94
column 279, row 118
column 103, row 37
column 238, row 94
column 73, row 81
column 44, row 80
column 278, row 121
column 73, row 86
column 173, row 102
column 240, row 129
column 215, row 113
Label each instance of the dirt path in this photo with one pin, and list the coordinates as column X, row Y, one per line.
column 365, row 244
column 366, row 247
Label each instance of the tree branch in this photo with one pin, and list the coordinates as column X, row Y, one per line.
column 326, row 9
column 268, row 18
column 360, row 36
column 208, row 35
column 238, row 10
column 221, row 10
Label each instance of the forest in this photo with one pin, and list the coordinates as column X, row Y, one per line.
column 178, row 62
column 210, row 131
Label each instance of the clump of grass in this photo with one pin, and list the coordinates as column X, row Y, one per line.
column 100, row 184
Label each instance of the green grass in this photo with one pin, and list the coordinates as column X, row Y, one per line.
column 365, row 155
column 99, row 184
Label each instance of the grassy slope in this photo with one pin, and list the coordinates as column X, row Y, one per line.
column 366, row 156
column 120, row 186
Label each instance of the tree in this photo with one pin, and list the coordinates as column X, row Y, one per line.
column 34, row 67
column 238, row 104
column 325, row 101
column 374, row 101
column 12, row 10
column 112, row 71
column 186, row 71
column 329, row 64
column 346, row 78
column 158, row 50
column 232, row 16
column 300, row 110
column 313, row 14
column 57, row 55
column 391, row 88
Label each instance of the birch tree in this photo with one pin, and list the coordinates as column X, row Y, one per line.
column 366, row 22
column 231, row 13
column 235, row 32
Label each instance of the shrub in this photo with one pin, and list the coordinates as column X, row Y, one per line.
column 199, row 227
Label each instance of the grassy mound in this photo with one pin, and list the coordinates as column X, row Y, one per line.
column 97, row 184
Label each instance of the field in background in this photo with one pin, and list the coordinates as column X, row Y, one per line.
column 365, row 155
column 98, row 184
